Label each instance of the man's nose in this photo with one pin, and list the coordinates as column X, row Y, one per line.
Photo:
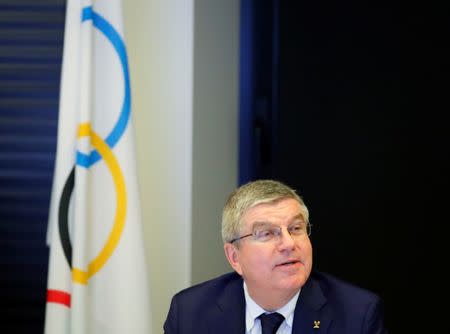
column 286, row 239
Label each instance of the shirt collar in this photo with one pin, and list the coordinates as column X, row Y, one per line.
column 253, row 310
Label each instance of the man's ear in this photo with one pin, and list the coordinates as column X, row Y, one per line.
column 232, row 254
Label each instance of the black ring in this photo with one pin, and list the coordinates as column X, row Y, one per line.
column 63, row 217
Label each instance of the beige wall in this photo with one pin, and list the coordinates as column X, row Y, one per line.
column 215, row 129
column 183, row 57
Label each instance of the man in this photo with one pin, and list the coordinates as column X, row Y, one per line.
column 265, row 230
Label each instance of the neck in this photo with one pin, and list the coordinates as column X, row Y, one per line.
column 271, row 301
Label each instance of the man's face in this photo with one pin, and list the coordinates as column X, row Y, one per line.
column 278, row 267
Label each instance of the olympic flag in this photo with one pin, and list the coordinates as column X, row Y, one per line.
column 97, row 279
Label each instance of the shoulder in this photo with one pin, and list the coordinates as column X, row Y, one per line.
column 345, row 307
column 205, row 302
column 337, row 289
column 211, row 289
column 354, row 309
column 202, row 300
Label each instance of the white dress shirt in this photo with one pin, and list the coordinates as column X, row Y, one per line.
column 253, row 311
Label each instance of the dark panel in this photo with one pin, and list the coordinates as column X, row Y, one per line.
column 31, row 40
column 362, row 136
column 257, row 87
column 360, row 132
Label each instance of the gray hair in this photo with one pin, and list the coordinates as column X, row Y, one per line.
column 250, row 195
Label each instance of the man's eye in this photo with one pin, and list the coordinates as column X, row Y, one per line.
column 296, row 229
column 264, row 234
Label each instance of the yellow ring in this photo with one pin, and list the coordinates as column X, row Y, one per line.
column 106, row 153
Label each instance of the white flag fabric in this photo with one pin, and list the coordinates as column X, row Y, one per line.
column 97, row 279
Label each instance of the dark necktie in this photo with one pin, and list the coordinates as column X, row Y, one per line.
column 270, row 322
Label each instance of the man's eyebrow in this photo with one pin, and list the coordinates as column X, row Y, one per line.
column 261, row 223
column 298, row 217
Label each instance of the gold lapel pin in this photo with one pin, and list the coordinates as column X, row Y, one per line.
column 316, row 324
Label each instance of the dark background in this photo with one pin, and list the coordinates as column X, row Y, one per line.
column 31, row 40
column 348, row 101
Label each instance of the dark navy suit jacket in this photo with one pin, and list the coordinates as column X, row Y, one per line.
column 218, row 307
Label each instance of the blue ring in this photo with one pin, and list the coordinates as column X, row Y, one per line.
column 111, row 34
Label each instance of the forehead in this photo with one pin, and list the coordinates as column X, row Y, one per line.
column 279, row 212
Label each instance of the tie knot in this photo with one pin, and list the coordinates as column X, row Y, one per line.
column 270, row 322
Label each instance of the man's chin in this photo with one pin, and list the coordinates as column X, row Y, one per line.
column 292, row 284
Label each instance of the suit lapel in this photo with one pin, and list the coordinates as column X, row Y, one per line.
column 311, row 317
column 229, row 315
column 311, row 314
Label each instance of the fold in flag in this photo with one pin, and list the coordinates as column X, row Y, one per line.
column 97, row 278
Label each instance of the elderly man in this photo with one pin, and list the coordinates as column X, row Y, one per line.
column 265, row 230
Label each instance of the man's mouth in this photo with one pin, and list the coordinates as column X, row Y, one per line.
column 288, row 263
